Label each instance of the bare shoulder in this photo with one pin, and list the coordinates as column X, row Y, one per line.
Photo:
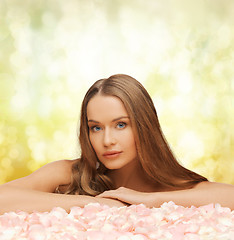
column 61, row 167
column 48, row 177
column 207, row 184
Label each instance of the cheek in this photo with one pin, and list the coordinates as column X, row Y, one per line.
column 91, row 141
column 130, row 137
column 130, row 141
column 94, row 142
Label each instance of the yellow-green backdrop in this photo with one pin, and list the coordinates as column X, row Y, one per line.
column 51, row 51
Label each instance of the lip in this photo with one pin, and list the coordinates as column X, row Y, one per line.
column 111, row 154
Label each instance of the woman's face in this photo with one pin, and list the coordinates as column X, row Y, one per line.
column 110, row 131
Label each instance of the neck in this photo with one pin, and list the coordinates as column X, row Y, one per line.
column 132, row 176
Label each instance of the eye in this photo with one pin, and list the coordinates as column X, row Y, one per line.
column 121, row 125
column 95, row 128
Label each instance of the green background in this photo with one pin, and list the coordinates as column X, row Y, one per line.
column 51, row 51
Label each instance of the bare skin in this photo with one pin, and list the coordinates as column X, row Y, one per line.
column 112, row 138
column 36, row 191
column 111, row 132
column 202, row 194
column 133, row 186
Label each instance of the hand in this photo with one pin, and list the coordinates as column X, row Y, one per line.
column 110, row 202
column 131, row 196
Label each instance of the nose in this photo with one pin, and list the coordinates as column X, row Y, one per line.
column 108, row 138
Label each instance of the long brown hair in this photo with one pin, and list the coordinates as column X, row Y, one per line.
column 154, row 153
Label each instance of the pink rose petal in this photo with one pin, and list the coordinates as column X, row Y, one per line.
column 136, row 222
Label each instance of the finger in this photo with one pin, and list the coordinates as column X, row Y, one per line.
column 122, row 198
column 114, row 194
column 108, row 194
column 103, row 194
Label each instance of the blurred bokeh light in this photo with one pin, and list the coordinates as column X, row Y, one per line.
column 52, row 51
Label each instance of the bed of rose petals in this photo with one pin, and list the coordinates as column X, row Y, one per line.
column 136, row 222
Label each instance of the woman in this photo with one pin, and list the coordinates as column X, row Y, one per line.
column 125, row 159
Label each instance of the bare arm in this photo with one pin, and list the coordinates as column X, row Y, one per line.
column 13, row 199
column 202, row 194
column 35, row 192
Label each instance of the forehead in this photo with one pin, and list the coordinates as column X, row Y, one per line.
column 105, row 108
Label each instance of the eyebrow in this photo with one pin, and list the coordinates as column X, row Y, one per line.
column 114, row 120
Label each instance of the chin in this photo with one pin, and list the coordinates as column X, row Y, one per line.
column 114, row 166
